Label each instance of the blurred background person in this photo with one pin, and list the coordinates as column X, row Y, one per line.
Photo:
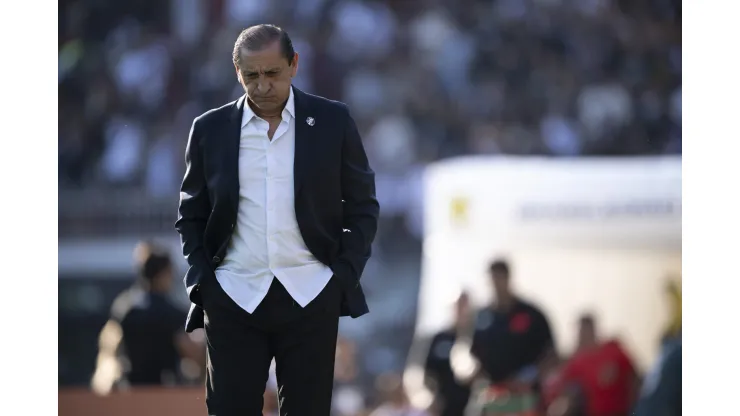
column 661, row 392
column 510, row 340
column 451, row 395
column 601, row 371
column 512, row 335
column 144, row 342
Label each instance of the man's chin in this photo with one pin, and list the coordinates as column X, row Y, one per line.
column 266, row 105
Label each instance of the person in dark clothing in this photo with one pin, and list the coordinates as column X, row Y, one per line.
column 662, row 390
column 511, row 336
column 145, row 334
column 451, row 394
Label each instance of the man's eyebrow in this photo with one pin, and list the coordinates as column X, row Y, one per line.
column 256, row 71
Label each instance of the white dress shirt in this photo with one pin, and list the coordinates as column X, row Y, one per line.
column 266, row 241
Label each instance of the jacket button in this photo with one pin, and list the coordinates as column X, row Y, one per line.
column 216, row 259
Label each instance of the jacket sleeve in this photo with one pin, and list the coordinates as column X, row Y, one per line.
column 360, row 206
column 193, row 213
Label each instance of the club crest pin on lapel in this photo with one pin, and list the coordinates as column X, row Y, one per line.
column 310, row 121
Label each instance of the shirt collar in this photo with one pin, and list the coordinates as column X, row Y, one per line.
column 288, row 111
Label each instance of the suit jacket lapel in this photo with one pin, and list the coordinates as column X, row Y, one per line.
column 302, row 138
column 231, row 156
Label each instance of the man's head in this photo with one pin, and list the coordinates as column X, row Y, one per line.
column 586, row 331
column 265, row 64
column 154, row 266
column 500, row 275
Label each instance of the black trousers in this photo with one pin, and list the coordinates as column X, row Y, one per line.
column 241, row 347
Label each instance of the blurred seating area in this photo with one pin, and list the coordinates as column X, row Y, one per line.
column 426, row 80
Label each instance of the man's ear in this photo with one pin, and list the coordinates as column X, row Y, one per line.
column 294, row 65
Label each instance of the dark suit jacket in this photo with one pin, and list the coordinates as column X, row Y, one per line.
column 335, row 203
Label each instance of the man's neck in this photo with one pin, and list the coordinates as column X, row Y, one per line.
column 505, row 304
column 588, row 346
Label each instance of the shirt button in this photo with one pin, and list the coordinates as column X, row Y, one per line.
column 216, row 259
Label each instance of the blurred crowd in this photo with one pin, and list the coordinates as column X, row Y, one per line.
column 499, row 360
column 425, row 79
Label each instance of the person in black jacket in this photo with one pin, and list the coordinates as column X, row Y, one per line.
column 451, row 394
column 144, row 340
column 277, row 217
column 511, row 335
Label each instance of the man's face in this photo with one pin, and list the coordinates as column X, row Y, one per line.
column 266, row 76
column 586, row 334
column 166, row 278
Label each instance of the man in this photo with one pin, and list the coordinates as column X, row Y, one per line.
column 452, row 395
column 145, row 329
column 602, row 372
column 511, row 336
column 277, row 215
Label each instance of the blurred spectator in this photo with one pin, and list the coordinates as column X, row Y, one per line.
column 511, row 336
column 451, row 395
column 602, row 372
column 144, row 342
column 393, row 398
column 661, row 392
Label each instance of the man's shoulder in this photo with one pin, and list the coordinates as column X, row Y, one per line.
column 320, row 103
column 216, row 114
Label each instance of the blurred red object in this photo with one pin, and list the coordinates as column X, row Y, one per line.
column 606, row 377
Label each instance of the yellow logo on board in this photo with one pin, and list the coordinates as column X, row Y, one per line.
column 459, row 210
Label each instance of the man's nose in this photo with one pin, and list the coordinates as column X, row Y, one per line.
column 263, row 86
